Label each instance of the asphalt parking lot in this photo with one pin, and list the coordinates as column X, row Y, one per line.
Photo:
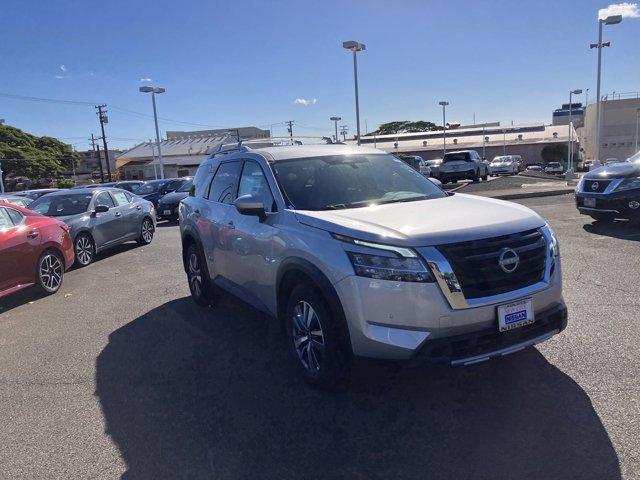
column 121, row 375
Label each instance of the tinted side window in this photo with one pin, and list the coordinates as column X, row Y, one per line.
column 200, row 182
column 15, row 216
column 5, row 219
column 254, row 182
column 120, row 198
column 223, row 186
column 105, row 199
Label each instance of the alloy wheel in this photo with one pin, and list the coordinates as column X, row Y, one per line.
column 195, row 275
column 147, row 230
column 51, row 271
column 308, row 337
column 84, row 250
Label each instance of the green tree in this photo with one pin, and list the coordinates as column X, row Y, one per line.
column 23, row 154
column 405, row 126
column 556, row 152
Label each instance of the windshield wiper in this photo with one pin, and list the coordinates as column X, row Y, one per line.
column 409, row 199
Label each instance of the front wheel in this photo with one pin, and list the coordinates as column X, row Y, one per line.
column 146, row 232
column 50, row 272
column 476, row 177
column 318, row 338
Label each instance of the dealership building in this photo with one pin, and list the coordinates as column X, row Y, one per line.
column 182, row 152
column 489, row 140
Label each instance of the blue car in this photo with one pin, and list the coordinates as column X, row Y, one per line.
column 154, row 190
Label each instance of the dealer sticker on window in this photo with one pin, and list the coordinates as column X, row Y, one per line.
column 514, row 315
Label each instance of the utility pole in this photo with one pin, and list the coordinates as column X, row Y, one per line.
column 102, row 116
column 290, row 130
column 335, row 121
column 93, row 147
column 343, row 131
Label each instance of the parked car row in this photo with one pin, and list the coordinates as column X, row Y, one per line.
column 38, row 244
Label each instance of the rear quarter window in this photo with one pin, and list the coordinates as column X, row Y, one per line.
column 201, row 180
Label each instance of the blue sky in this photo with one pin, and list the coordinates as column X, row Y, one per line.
column 244, row 63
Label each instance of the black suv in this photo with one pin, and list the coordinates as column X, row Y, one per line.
column 612, row 191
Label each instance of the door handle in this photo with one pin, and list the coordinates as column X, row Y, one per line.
column 138, row 207
column 118, row 214
column 231, row 224
column 32, row 234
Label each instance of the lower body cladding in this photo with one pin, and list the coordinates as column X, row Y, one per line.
column 625, row 204
column 413, row 321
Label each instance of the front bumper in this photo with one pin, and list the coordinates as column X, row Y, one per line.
column 482, row 345
column 615, row 204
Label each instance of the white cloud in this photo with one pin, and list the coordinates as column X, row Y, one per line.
column 305, row 101
column 627, row 10
column 145, row 79
column 63, row 68
column 59, row 77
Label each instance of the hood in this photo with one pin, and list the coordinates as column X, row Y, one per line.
column 174, row 197
column 429, row 222
column 616, row 170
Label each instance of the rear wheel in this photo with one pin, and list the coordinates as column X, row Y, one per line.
column 84, row 249
column 146, row 232
column 318, row 338
column 199, row 283
column 50, row 272
column 485, row 177
column 475, row 178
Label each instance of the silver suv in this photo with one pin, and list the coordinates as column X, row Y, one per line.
column 360, row 255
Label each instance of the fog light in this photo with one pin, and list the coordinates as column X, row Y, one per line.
column 634, row 205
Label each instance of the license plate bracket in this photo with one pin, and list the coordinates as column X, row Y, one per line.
column 515, row 314
column 590, row 202
column 166, row 212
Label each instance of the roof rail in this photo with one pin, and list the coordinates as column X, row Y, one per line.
column 225, row 148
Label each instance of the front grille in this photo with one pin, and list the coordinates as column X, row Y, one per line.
column 475, row 263
column 600, row 185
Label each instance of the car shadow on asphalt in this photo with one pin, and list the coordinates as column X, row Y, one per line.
column 188, row 392
column 622, row 229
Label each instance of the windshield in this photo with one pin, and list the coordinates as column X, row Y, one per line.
column 500, row 160
column 457, row 157
column 185, row 186
column 347, row 181
column 148, row 188
column 61, row 205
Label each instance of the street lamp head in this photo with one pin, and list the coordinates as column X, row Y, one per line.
column 335, row 119
column 612, row 19
column 443, row 103
column 577, row 91
column 148, row 89
column 354, row 46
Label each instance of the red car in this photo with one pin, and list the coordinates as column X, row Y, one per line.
column 34, row 250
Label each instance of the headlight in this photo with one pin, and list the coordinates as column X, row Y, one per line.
column 629, row 184
column 394, row 263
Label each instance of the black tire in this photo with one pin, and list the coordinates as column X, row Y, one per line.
column 146, row 232
column 324, row 358
column 485, row 177
column 84, row 249
column 198, row 277
column 476, row 177
column 49, row 272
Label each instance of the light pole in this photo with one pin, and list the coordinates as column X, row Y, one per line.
column 335, row 121
column 610, row 20
column 504, row 141
column 637, row 120
column 444, row 104
column 2, row 181
column 153, row 91
column 570, row 145
column 483, row 142
column 355, row 47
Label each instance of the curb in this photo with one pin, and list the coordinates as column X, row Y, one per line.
column 548, row 193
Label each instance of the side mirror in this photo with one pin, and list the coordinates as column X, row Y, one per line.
column 101, row 209
column 436, row 182
column 250, row 205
